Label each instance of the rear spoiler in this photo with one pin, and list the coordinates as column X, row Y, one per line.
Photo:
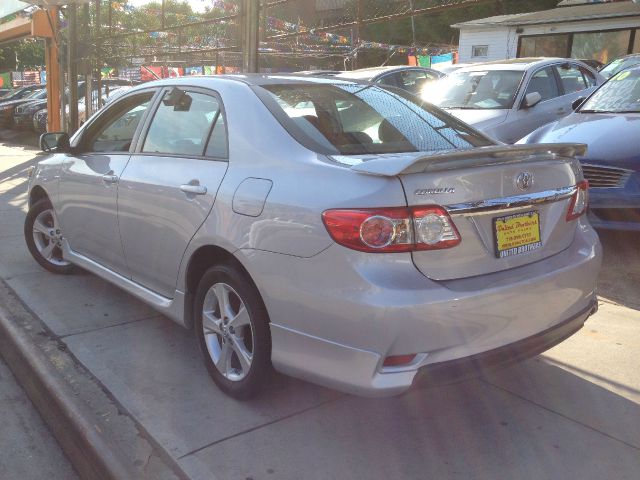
column 392, row 165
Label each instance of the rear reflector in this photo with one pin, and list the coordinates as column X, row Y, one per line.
column 396, row 229
column 579, row 201
column 398, row 360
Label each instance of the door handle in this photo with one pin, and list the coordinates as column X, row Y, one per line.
column 110, row 178
column 194, row 189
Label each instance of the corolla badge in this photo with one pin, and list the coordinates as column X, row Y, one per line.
column 434, row 191
column 524, row 181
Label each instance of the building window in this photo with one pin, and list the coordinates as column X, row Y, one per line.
column 602, row 46
column 544, row 46
column 480, row 50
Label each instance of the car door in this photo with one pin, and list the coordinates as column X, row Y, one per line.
column 169, row 185
column 575, row 82
column 87, row 195
column 523, row 120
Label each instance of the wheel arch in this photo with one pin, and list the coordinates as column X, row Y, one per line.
column 200, row 261
column 36, row 194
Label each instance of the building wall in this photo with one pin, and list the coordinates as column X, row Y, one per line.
column 498, row 40
column 503, row 41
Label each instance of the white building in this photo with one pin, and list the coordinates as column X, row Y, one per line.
column 600, row 31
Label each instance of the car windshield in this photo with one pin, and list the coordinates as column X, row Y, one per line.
column 37, row 94
column 477, row 89
column 620, row 94
column 357, row 119
column 618, row 65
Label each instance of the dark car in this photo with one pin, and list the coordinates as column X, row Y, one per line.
column 40, row 121
column 21, row 92
column 609, row 123
column 411, row 79
column 619, row 64
column 7, row 107
column 23, row 114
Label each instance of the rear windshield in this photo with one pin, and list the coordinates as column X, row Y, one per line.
column 352, row 119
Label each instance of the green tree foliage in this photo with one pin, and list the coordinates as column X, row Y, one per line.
column 22, row 55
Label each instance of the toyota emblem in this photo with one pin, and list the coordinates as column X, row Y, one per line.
column 524, row 181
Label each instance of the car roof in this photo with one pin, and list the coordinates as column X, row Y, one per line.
column 515, row 64
column 247, row 79
column 371, row 72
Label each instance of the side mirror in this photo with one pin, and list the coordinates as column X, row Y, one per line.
column 577, row 103
column 57, row 142
column 531, row 99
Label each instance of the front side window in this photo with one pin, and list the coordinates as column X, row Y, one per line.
column 182, row 124
column 479, row 89
column 544, row 82
column 571, row 78
column 115, row 133
column 357, row 119
column 621, row 94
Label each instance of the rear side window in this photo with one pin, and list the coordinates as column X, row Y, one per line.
column 415, row 80
column 571, row 78
column 182, row 124
column 544, row 82
column 589, row 77
column 361, row 119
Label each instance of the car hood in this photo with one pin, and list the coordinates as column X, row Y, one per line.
column 480, row 118
column 611, row 137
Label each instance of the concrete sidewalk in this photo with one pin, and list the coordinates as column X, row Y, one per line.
column 571, row 413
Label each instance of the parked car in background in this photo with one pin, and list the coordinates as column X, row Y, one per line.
column 40, row 119
column 23, row 114
column 609, row 123
column 509, row 99
column 21, row 92
column 319, row 73
column 7, row 107
column 349, row 235
column 620, row 64
column 411, row 79
column 593, row 63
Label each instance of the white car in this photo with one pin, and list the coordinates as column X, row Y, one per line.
column 511, row 98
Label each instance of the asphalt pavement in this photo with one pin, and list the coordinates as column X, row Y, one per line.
column 573, row 412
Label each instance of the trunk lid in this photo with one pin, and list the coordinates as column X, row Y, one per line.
column 483, row 191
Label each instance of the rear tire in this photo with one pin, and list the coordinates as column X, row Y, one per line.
column 44, row 238
column 232, row 330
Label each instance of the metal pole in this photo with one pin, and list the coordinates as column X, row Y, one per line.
column 413, row 25
column 53, row 73
column 73, row 67
column 98, row 36
column 356, row 33
column 250, row 32
column 88, row 107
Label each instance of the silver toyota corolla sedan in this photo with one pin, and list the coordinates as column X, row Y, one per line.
column 342, row 233
column 509, row 99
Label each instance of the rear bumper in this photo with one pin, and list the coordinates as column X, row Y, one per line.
column 345, row 313
column 453, row 370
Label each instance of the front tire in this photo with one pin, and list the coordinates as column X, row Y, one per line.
column 44, row 238
column 232, row 330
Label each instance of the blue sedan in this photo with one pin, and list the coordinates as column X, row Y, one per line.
column 606, row 122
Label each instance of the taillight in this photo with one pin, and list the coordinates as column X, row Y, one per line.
column 579, row 201
column 397, row 229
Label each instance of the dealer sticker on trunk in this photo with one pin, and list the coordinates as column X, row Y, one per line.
column 516, row 234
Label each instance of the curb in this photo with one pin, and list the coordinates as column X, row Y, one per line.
column 99, row 437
